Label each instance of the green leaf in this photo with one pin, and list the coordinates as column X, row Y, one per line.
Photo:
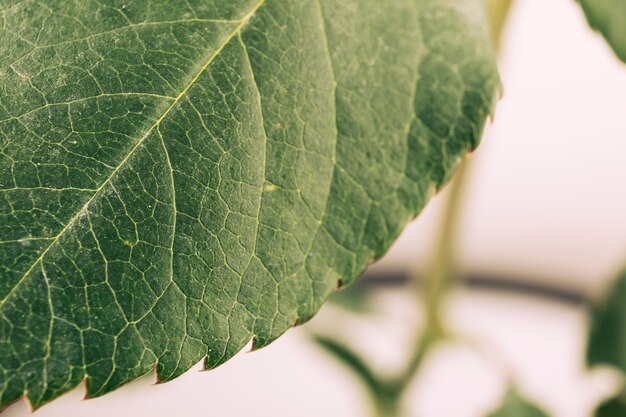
column 384, row 393
column 607, row 340
column 615, row 407
column 177, row 178
column 515, row 406
column 609, row 18
column 356, row 299
column 352, row 361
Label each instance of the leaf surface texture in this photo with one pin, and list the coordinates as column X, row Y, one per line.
column 177, row 178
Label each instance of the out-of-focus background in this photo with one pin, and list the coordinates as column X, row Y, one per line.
column 545, row 208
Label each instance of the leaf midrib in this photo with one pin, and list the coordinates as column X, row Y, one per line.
column 244, row 21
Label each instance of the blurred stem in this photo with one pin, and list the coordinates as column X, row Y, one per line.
column 499, row 12
column 388, row 404
column 443, row 269
column 442, row 274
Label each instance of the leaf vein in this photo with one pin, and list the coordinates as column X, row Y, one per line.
column 137, row 146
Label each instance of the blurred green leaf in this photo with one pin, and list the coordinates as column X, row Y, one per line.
column 355, row 298
column 615, row 407
column 607, row 340
column 385, row 394
column 609, row 18
column 515, row 406
column 351, row 360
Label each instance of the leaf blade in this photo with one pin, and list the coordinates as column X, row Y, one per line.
column 613, row 407
column 609, row 18
column 515, row 406
column 254, row 179
column 607, row 340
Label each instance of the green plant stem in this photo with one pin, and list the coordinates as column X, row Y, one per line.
column 442, row 276
column 443, row 269
column 499, row 12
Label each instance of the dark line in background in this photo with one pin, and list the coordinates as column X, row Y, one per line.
column 483, row 282
column 518, row 286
